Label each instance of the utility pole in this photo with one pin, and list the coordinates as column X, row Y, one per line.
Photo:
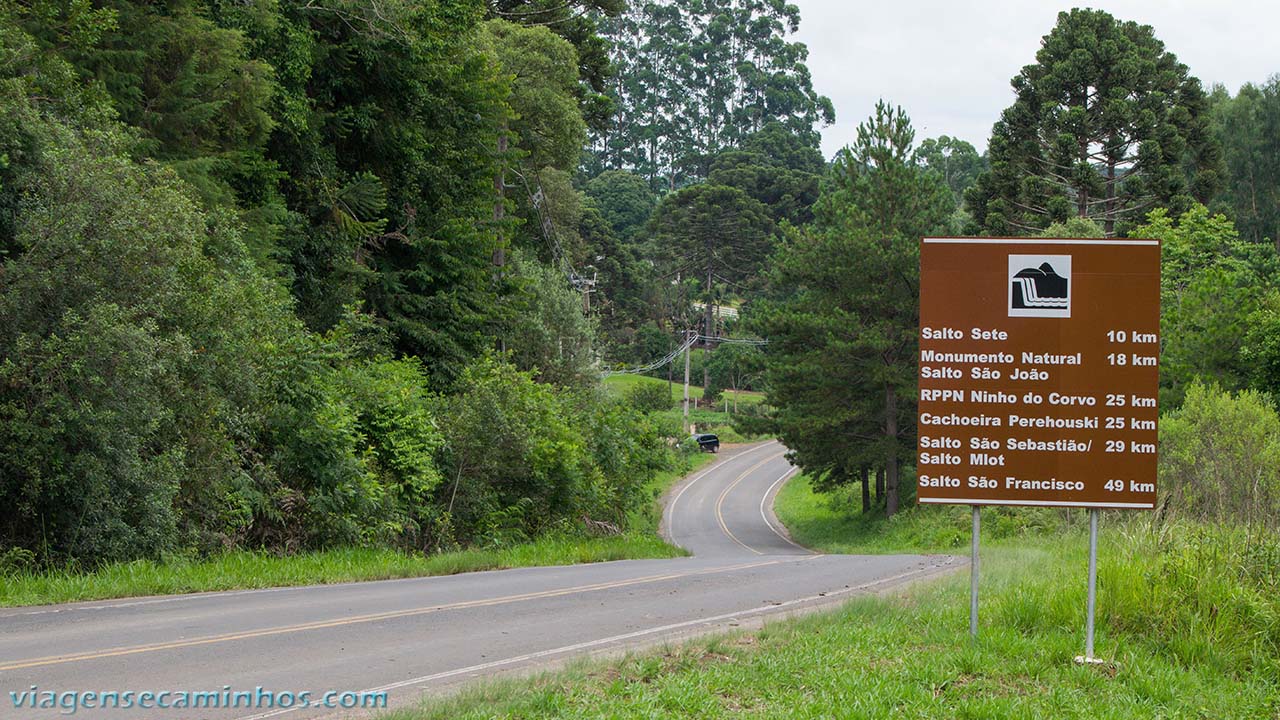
column 499, row 212
column 686, row 379
column 710, row 321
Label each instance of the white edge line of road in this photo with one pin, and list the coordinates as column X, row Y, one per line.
column 1035, row 241
column 670, row 512
column 772, row 608
column 765, row 516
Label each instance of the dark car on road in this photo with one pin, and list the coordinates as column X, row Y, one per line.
column 708, row 442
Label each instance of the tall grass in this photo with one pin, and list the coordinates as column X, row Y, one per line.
column 1220, row 458
column 244, row 569
column 1204, row 593
column 1208, row 594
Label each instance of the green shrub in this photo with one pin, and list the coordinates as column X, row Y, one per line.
column 119, row 332
column 521, row 458
column 649, row 396
column 511, row 454
column 16, row 560
column 1211, row 285
column 1220, row 457
column 1261, row 350
column 628, row 452
column 353, row 459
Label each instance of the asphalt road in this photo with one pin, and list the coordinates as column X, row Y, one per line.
column 407, row 637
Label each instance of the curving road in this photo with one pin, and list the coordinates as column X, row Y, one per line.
column 407, row 637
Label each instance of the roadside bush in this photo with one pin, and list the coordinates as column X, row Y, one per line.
column 114, row 345
column 649, row 397
column 627, row 452
column 352, row 459
column 16, row 560
column 1220, row 457
column 512, row 458
column 521, row 458
column 1210, row 295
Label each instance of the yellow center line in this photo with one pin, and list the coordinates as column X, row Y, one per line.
column 355, row 619
column 725, row 493
column 670, row 512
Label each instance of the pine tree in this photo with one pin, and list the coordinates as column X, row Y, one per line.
column 844, row 317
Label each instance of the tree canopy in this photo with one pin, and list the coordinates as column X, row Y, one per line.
column 712, row 234
column 1107, row 125
column 695, row 77
column 248, row 253
column 1248, row 128
column 776, row 167
column 955, row 160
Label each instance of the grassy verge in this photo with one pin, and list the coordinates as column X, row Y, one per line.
column 620, row 384
column 834, row 523
column 241, row 570
column 244, row 570
column 713, row 420
column 1189, row 621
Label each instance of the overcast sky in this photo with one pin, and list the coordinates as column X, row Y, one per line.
column 949, row 62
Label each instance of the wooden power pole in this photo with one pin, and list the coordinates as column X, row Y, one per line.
column 686, row 380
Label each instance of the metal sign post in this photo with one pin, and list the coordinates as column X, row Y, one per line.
column 1038, row 379
column 973, row 576
column 1092, row 602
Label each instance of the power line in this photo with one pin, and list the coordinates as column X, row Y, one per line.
column 688, row 343
column 734, row 341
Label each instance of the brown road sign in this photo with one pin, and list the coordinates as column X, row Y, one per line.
column 1038, row 372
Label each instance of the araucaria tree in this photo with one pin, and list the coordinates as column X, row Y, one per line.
column 1107, row 125
column 715, row 233
column 843, row 319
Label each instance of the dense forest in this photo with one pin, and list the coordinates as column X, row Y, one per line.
column 296, row 274
column 293, row 275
